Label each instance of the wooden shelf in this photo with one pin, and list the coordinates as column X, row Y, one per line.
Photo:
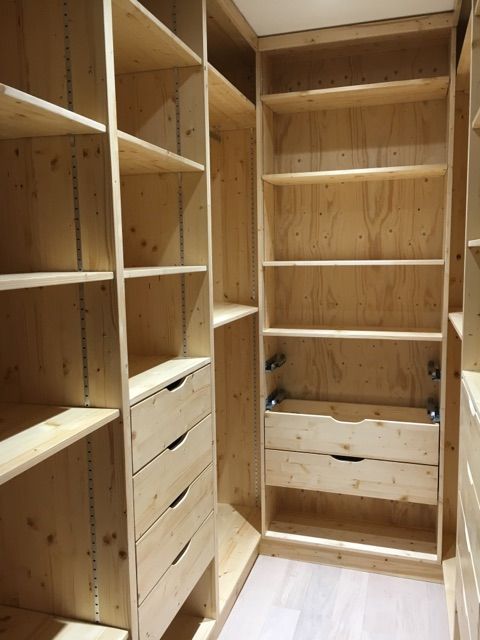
column 355, row 334
column 25, row 116
column 149, row 374
column 354, row 263
column 228, row 107
column 140, row 157
column 21, row 624
column 474, row 243
column 476, row 120
column 464, row 61
column 144, row 43
column 456, row 318
column 151, row 272
column 189, row 627
column 348, row 536
column 51, row 278
column 363, row 95
column 357, row 175
column 226, row 312
column 31, row 433
column 472, row 381
column 238, row 541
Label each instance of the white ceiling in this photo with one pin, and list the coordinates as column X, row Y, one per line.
column 282, row 16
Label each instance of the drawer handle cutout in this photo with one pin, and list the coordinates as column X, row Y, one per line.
column 179, row 499
column 347, row 459
column 181, row 554
column 177, row 384
column 178, row 442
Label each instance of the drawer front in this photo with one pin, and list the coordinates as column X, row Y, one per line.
column 164, row 601
column 470, row 436
column 162, row 543
column 157, row 485
column 165, row 416
column 471, row 595
column 369, row 478
column 384, row 440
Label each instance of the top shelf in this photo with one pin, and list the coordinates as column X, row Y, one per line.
column 25, row 116
column 363, row 95
column 228, row 107
column 143, row 43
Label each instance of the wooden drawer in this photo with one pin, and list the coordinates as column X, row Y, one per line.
column 470, row 436
column 157, row 485
column 289, row 430
column 162, row 543
column 165, row 416
column 163, row 602
column 369, row 478
column 471, row 594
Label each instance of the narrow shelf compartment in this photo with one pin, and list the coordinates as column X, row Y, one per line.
column 139, row 157
column 226, row 312
column 363, row 95
column 357, row 175
column 354, row 263
column 25, row 116
column 21, row 624
column 456, row 318
column 238, row 540
column 143, row 43
column 148, row 374
column 387, row 540
column 355, row 334
column 11, row 281
column 30, row 433
column 228, row 107
column 151, row 272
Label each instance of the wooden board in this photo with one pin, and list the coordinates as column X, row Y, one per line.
column 28, row 280
column 456, row 318
column 228, row 107
column 408, row 334
column 226, row 312
column 153, row 272
column 362, row 95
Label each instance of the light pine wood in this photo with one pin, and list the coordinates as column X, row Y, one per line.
column 464, row 61
column 356, row 175
column 354, row 263
column 352, row 430
column 25, row 116
column 31, row 433
column 142, row 42
column 226, row 312
column 456, row 318
column 359, row 95
column 153, row 272
column 163, row 417
column 369, row 478
column 21, row 624
column 468, row 578
column 140, row 157
column 28, row 280
column 355, row 334
column 474, row 243
column 449, row 579
column 228, row 107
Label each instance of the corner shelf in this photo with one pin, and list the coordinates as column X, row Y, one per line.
column 355, row 334
column 456, row 318
column 363, row 95
column 25, row 116
column 54, row 278
column 228, row 107
column 30, row 433
column 354, row 263
column 143, row 43
column 149, row 374
column 357, row 175
column 140, row 157
column 151, row 272
column 22, row 624
column 226, row 312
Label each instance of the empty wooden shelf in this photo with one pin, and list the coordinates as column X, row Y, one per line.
column 140, row 157
column 31, row 433
column 149, row 374
column 357, row 175
column 143, row 43
column 21, row 624
column 354, row 334
column 362, row 95
column 25, row 116
column 456, row 318
column 228, row 107
column 355, row 263
column 47, row 279
column 226, row 312
column 152, row 272
column 474, row 243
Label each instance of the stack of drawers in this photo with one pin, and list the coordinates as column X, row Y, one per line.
column 468, row 523
column 376, row 459
column 172, row 449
